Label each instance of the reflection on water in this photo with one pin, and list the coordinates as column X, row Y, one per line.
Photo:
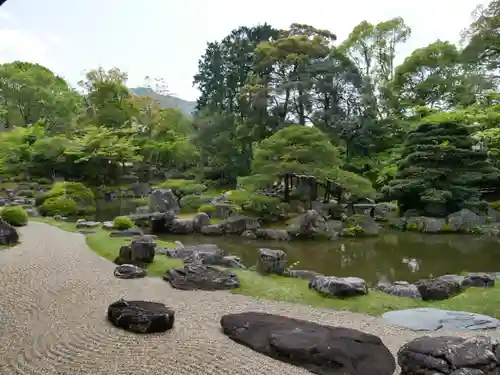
column 393, row 255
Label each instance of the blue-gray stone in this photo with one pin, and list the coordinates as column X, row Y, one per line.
column 430, row 319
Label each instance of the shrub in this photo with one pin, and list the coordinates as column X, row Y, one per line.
column 191, row 203
column 15, row 215
column 207, row 208
column 26, row 193
column 183, row 187
column 123, row 222
column 62, row 206
column 263, row 206
column 75, row 191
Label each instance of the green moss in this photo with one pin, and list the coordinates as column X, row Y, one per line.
column 352, row 231
column 142, row 201
column 476, row 230
column 207, row 208
column 412, row 227
column 446, row 229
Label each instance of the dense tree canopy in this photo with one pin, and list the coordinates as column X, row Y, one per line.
column 272, row 100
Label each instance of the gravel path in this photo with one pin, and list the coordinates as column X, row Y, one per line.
column 53, row 299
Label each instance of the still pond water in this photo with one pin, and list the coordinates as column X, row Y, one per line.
column 392, row 255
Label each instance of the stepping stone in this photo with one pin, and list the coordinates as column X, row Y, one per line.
column 320, row 349
column 201, row 277
column 141, row 316
column 430, row 319
column 129, row 271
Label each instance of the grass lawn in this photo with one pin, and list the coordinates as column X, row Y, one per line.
column 478, row 300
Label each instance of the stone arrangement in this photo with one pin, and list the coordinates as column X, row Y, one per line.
column 141, row 316
column 201, row 277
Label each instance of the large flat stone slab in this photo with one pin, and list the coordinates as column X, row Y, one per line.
column 430, row 319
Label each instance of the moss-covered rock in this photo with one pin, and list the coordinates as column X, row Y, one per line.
column 359, row 226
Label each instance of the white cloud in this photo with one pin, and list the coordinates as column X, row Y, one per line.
column 18, row 44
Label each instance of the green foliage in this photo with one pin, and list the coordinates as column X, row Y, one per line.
column 191, row 203
column 262, row 206
column 207, row 208
column 123, row 223
column 72, row 198
column 59, row 205
column 182, row 187
column 358, row 186
column 15, row 215
column 440, row 168
column 26, row 193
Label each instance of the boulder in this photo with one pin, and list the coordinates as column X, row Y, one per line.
column 309, row 225
column 320, row 349
column 200, row 220
column 84, row 224
column 129, row 271
column 272, row 261
column 450, row 355
column 250, row 235
column 222, row 210
column 400, row 289
column 143, row 248
column 8, row 234
column 437, row 289
column 240, row 224
column 426, row 224
column 213, row 230
column 339, row 286
column 464, row 221
column 201, row 277
column 141, row 316
column 359, row 225
column 182, row 226
column 164, row 201
column 272, row 234
column 478, row 279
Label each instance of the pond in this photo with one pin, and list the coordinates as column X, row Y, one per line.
column 393, row 255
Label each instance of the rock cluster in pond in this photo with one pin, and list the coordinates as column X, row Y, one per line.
column 141, row 316
column 8, row 234
column 141, row 251
column 208, row 254
column 447, row 355
column 430, row 319
column 129, row 271
column 201, row 277
column 320, row 349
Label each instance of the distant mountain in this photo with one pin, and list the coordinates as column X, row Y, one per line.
column 166, row 101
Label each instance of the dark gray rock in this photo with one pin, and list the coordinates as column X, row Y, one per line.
column 141, row 316
column 213, row 230
column 87, row 231
column 464, row 221
column 126, row 233
column 8, row 234
column 339, row 286
column 272, row 234
column 438, row 289
column 141, row 251
column 430, row 319
column 453, row 278
column 400, row 289
column 478, row 279
column 140, row 189
column 239, row 224
column 272, row 261
column 320, row 349
column 365, row 225
column 447, row 355
column 200, row 220
column 309, row 225
column 164, row 201
column 248, row 234
column 182, row 226
column 201, row 277
column 129, row 271
column 87, row 224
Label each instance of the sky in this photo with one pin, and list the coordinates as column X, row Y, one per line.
column 165, row 38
